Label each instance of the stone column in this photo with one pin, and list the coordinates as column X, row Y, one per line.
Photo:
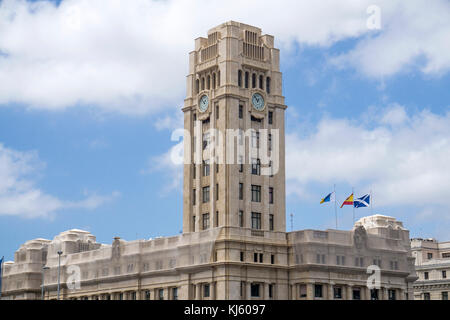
column 330, row 293
column 309, row 291
column 349, row 293
column 366, row 293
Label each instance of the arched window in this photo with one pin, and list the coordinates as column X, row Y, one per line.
column 197, row 86
column 268, row 84
column 261, row 79
column 203, row 83
column 246, row 79
column 253, row 80
column 239, row 78
column 208, row 82
column 214, row 81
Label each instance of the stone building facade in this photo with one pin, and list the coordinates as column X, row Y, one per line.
column 433, row 269
column 234, row 243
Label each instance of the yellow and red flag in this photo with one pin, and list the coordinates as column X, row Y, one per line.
column 348, row 201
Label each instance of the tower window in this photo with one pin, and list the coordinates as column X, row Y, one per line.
column 242, row 256
column 256, row 193
column 214, row 80
column 241, row 218
column 253, row 80
column 218, row 78
column 205, row 194
column 254, row 289
column 241, row 191
column 241, row 164
column 270, row 142
column 272, row 259
column 239, row 78
column 268, row 85
column 194, row 197
column 193, row 223
column 206, row 290
column 261, row 79
column 203, row 83
column 246, row 80
column 208, row 82
column 217, row 191
column 197, row 86
column 270, row 194
column 241, row 111
column 256, row 167
column 217, row 219
column 217, row 111
column 271, row 222
column 205, row 222
column 261, row 257
column 256, row 220
column 206, row 168
column 270, row 117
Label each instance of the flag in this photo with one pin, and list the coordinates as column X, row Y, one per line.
column 362, row 202
column 348, row 201
column 328, row 198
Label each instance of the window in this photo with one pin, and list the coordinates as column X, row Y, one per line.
column 337, row 291
column 255, row 257
column 303, row 292
column 256, row 193
column 271, row 222
column 391, row 294
column 373, row 294
column 194, row 197
column 241, row 256
column 206, row 168
column 195, row 117
column 270, row 117
column 208, row 82
column 246, row 80
column 194, row 171
column 241, row 111
column 130, row 268
column 253, row 80
column 261, row 80
column 446, row 255
column 255, row 119
column 429, row 255
column 241, row 191
column 161, row 294
column 256, row 166
column 425, row 275
column 133, row 295
column 217, row 111
column 203, row 83
column 217, row 168
column 120, row 296
column 217, row 219
column 241, row 164
column 356, row 294
column 359, row 262
column 270, row 195
column 268, row 85
column 444, row 274
column 206, row 140
column 270, row 290
column 317, row 291
column 147, row 294
column 270, row 141
column 239, row 78
column 445, row 295
column 272, row 259
column 426, row 296
column 197, row 86
column 254, row 289
column 218, row 78
column 241, row 218
column 205, row 222
column 174, row 293
column 261, row 257
column 256, row 220
column 214, row 81
column 206, row 290
column 217, row 191
column 255, row 139
column 205, row 194
column 193, row 223
column 377, row 262
column 340, row 260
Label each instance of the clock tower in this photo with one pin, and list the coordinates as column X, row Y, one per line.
column 234, row 171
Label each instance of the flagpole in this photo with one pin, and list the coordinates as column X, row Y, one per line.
column 371, row 200
column 335, row 208
column 353, row 193
column 1, row 275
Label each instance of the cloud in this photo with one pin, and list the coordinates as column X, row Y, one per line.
column 403, row 160
column 131, row 56
column 19, row 195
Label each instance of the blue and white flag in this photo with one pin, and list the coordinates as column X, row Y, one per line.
column 362, row 202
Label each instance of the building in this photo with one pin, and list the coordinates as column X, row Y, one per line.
column 433, row 269
column 234, row 243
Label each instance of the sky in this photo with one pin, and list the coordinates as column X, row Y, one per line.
column 91, row 91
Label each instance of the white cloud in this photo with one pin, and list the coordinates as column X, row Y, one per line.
column 131, row 56
column 19, row 196
column 404, row 164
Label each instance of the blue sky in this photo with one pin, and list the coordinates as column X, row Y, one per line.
column 91, row 92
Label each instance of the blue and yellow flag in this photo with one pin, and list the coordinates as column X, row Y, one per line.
column 328, row 198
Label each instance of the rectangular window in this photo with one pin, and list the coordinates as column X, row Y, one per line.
column 303, row 292
column 217, row 111
column 256, row 220
column 217, row 168
column 317, row 291
column 337, row 291
column 271, row 195
column 241, row 218
column 444, row 274
column 133, row 295
column 425, row 275
column 270, row 142
column 205, row 196
column 241, row 191
column 206, row 290
column 254, row 289
column 272, row 259
column 241, row 111
column 217, row 219
column 194, row 171
column 194, row 197
column 241, row 163
column 271, row 222
column 270, row 117
column 256, row 193
column 391, row 294
column 174, row 293
column 445, row 295
column 217, row 191
column 255, row 139
column 147, row 294
column 261, row 257
column 430, row 255
column 255, row 257
column 356, row 294
column 206, row 168
column 374, row 294
column 161, row 294
column 426, row 296
column 241, row 256
column 270, row 290
column 193, row 223
column 206, row 140
column 205, row 221
column 256, row 166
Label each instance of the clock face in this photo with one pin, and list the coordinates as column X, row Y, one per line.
column 203, row 103
column 258, row 101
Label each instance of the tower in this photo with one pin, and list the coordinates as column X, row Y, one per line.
column 234, row 172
